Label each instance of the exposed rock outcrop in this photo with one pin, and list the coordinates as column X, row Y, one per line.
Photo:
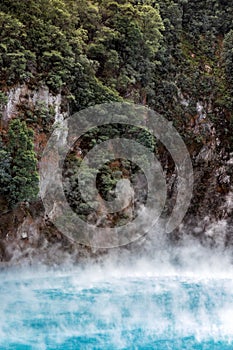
column 28, row 96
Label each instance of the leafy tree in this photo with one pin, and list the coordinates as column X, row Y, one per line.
column 125, row 44
column 228, row 57
column 24, row 176
column 5, row 170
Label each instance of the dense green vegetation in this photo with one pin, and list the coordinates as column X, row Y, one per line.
column 18, row 164
column 193, row 63
column 92, row 50
column 167, row 54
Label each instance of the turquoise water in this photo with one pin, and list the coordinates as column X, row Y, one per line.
column 83, row 310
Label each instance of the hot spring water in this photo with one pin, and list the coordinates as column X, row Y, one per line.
column 143, row 305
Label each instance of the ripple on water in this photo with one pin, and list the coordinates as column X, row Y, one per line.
column 67, row 312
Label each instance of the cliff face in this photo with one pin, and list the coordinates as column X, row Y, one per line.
column 24, row 96
column 185, row 75
column 27, row 236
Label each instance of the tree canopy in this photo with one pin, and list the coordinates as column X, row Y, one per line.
column 167, row 54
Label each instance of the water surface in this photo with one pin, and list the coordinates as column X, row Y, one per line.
column 87, row 310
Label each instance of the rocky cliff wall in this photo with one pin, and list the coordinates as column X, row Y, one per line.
column 27, row 236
